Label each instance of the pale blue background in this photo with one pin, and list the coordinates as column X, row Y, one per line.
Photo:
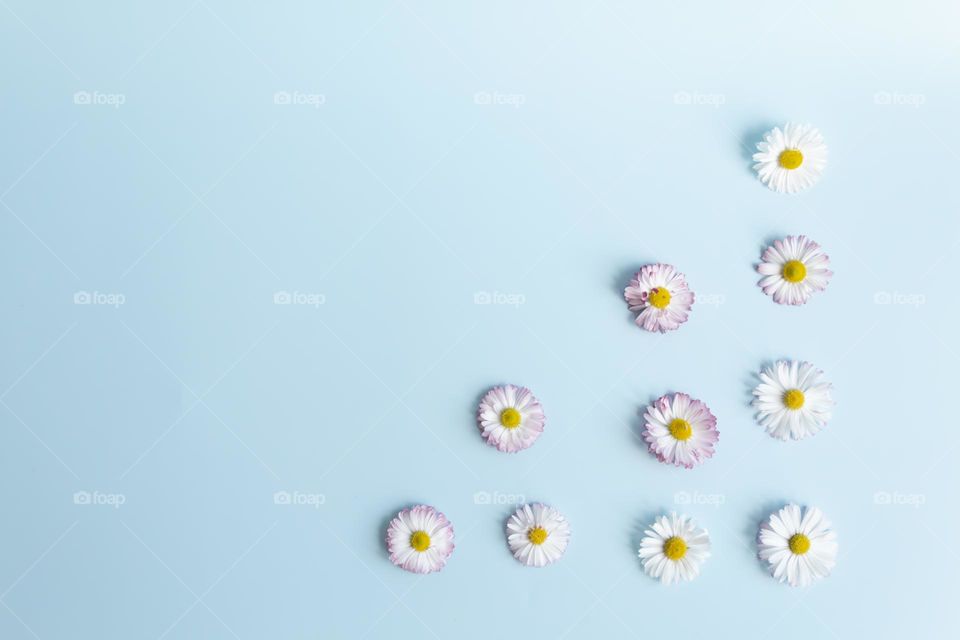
column 398, row 199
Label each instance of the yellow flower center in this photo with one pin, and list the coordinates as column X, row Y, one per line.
column 790, row 159
column 659, row 297
column 510, row 418
column 799, row 544
column 674, row 548
column 794, row 271
column 420, row 540
column 793, row 399
column 680, row 429
column 537, row 535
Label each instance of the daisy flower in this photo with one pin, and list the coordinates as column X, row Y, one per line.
column 791, row 160
column 798, row 546
column 673, row 548
column 420, row 539
column 791, row 400
column 660, row 297
column 792, row 269
column 680, row 430
column 537, row 535
column 510, row 418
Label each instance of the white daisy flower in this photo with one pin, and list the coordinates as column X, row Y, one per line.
column 799, row 547
column 510, row 418
column 537, row 535
column 674, row 548
column 791, row 400
column 420, row 539
column 793, row 269
column 791, row 160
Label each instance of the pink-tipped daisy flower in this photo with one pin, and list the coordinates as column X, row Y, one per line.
column 660, row 297
column 680, row 430
column 510, row 418
column 420, row 539
column 793, row 269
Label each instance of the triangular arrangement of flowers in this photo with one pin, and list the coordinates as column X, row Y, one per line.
column 792, row 402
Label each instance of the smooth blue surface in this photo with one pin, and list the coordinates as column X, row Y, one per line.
column 433, row 151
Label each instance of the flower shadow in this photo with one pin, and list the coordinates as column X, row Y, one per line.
column 622, row 280
column 748, row 144
column 638, row 530
column 381, row 532
column 639, row 425
column 751, row 529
